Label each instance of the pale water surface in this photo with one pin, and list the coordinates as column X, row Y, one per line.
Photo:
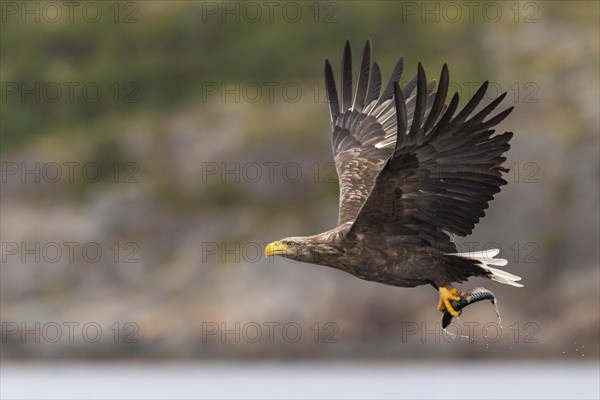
column 462, row 380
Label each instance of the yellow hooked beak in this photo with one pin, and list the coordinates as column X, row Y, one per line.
column 275, row 248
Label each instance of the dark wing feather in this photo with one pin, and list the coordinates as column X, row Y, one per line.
column 401, row 117
column 395, row 75
column 347, row 77
column 364, row 130
column 420, row 102
column 440, row 98
column 332, row 97
column 363, row 78
column 374, row 84
column 441, row 176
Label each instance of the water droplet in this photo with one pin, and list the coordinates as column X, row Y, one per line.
column 498, row 314
column 452, row 335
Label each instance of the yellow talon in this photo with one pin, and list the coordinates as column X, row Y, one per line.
column 446, row 296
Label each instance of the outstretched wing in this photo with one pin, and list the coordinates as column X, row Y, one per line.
column 442, row 173
column 361, row 127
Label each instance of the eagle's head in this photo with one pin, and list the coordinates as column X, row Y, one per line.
column 316, row 249
column 294, row 248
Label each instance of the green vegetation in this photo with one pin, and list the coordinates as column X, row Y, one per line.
column 160, row 54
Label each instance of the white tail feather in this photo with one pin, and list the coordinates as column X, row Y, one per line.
column 486, row 258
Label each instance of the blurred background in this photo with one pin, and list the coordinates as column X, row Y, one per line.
column 151, row 149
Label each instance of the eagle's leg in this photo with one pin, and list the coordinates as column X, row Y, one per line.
column 447, row 295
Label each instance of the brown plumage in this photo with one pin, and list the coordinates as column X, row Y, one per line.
column 412, row 173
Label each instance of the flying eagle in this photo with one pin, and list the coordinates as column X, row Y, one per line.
column 412, row 173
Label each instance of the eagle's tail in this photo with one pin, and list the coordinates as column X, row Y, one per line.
column 485, row 259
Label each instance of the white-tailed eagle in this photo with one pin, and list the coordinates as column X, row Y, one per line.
column 412, row 173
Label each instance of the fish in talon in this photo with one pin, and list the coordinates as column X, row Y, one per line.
column 468, row 297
